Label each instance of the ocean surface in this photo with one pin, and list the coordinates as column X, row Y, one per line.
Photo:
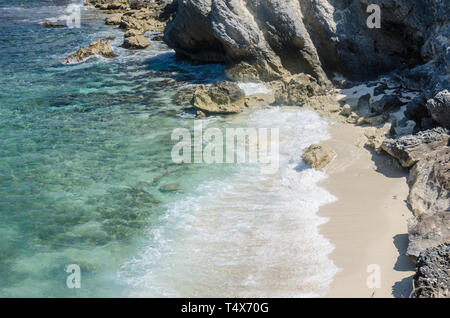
column 85, row 152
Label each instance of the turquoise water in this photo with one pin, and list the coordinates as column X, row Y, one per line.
column 84, row 151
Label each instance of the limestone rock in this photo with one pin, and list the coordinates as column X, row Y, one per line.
column 429, row 182
column 318, row 156
column 376, row 136
column 115, row 20
column 135, row 42
column 432, row 279
column 289, row 35
column 297, row 89
column 439, row 107
column 427, row 231
column 99, row 47
column 412, row 148
column 220, row 98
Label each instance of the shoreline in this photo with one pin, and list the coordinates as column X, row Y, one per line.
column 368, row 223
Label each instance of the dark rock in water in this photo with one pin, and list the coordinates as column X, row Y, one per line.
column 428, row 231
column 158, row 37
column 388, row 103
column 412, row 148
column 220, row 98
column 52, row 25
column 432, row 279
column 380, row 89
column 363, row 102
column 439, row 107
column 429, row 182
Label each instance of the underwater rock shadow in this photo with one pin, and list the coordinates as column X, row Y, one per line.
column 183, row 71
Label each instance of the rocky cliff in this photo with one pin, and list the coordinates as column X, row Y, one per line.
column 267, row 39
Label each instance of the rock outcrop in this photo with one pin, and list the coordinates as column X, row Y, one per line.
column 439, row 108
column 432, row 279
column 99, row 47
column 219, row 98
column 412, row 148
column 428, row 231
column 267, row 39
column 137, row 18
column 135, row 42
column 318, row 156
column 430, row 183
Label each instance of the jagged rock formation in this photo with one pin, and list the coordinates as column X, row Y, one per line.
column 429, row 199
column 139, row 16
column 430, row 183
column 439, row 107
column 318, row 156
column 411, row 148
column 428, row 231
column 267, row 39
column 433, row 275
column 99, row 47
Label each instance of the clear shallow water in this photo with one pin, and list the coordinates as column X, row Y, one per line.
column 84, row 150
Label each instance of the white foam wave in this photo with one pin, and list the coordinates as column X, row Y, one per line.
column 249, row 235
column 254, row 88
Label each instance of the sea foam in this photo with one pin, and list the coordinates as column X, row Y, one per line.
column 247, row 235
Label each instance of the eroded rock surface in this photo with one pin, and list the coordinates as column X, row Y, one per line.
column 318, row 156
column 432, row 279
column 99, row 47
column 267, row 39
column 430, row 183
column 219, row 98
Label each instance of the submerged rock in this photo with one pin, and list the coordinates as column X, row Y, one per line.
column 173, row 187
column 318, row 156
column 432, row 279
column 99, row 47
column 52, row 25
column 220, row 98
column 412, row 148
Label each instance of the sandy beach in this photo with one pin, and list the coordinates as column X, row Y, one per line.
column 368, row 223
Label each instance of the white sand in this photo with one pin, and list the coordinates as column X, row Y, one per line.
column 368, row 224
